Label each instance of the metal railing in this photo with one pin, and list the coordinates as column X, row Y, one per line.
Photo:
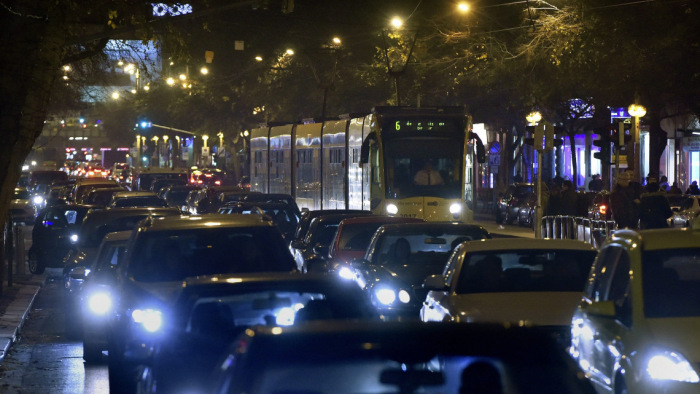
column 587, row 230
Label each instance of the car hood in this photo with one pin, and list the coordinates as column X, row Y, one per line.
column 676, row 334
column 536, row 308
column 163, row 291
column 19, row 203
column 412, row 274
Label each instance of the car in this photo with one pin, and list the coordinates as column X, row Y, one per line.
column 244, row 182
column 52, row 234
column 311, row 252
column 354, row 235
column 210, row 198
column 22, row 209
column 283, row 215
column 400, row 257
column 101, row 196
column 98, row 281
column 176, row 195
column 96, row 225
column 526, row 211
column 509, row 201
column 511, row 280
column 159, row 184
column 211, row 311
column 634, row 328
column 134, row 199
column 163, row 253
column 143, row 178
column 83, row 185
column 209, row 177
column 274, row 197
column 396, row 357
column 45, row 177
column 688, row 211
column 307, row 216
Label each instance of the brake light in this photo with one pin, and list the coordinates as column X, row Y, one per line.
column 217, row 183
column 603, row 209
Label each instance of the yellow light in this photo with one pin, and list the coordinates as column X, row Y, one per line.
column 396, row 22
column 205, row 137
column 120, row 63
column 289, row 52
column 204, row 71
column 115, row 95
column 155, row 138
column 463, row 7
column 146, row 88
column 170, row 81
column 65, row 77
column 246, row 133
column 637, row 110
column 183, row 77
column 258, row 58
column 66, row 68
column 165, row 138
column 133, row 91
column 337, row 41
column 534, row 117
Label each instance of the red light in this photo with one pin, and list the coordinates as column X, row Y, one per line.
column 603, row 209
column 217, row 183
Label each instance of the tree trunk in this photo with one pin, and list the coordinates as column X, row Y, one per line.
column 574, row 166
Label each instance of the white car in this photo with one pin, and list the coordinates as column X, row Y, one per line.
column 523, row 281
column 688, row 211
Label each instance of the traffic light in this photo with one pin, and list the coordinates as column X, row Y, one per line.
column 620, row 133
column 604, row 144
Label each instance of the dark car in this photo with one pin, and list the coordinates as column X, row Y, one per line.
column 176, row 195
column 509, row 202
column 397, row 357
column 22, row 209
column 129, row 199
column 144, row 177
column 163, row 252
column 283, row 215
column 96, row 298
column 211, row 311
column 307, row 216
column 401, row 256
column 51, row 235
column 311, row 252
column 526, row 212
column 159, row 184
column 274, row 197
column 101, row 196
column 209, row 199
column 96, row 225
column 210, row 177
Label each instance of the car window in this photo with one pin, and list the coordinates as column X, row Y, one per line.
column 670, row 282
column 597, row 282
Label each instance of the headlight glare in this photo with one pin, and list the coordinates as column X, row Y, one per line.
column 392, row 209
column 385, row 296
column 74, row 238
column 285, row 317
column 100, row 303
column 404, row 296
column 669, row 365
column 150, row 319
column 346, row 273
column 455, row 208
column 38, row 200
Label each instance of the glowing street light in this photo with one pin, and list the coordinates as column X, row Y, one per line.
column 637, row 111
column 204, row 139
column 66, row 68
column 463, row 7
column 396, row 22
column 115, row 95
column 204, row 71
column 258, row 58
column 533, row 117
column 182, row 77
column 289, row 52
column 170, row 81
column 337, row 41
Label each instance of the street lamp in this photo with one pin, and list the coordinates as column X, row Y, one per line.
column 533, row 117
column 463, row 7
column 396, row 22
column 167, row 150
column 637, row 111
column 204, row 139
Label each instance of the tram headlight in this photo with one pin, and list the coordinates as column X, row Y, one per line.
column 392, row 209
column 456, row 208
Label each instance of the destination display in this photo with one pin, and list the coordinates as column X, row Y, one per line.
column 418, row 124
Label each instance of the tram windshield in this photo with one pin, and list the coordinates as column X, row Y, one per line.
column 424, row 166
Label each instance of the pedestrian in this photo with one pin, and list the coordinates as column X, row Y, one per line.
column 596, row 184
column 553, row 206
column 624, row 202
column 568, row 198
column 654, row 208
column 675, row 189
column 693, row 189
column 663, row 183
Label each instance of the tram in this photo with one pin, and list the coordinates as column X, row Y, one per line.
column 373, row 162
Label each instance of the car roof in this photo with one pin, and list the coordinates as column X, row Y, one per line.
column 660, row 239
column 321, row 212
column 526, row 243
column 261, row 277
column 184, row 222
column 110, row 214
column 117, row 236
column 403, row 228
column 379, row 219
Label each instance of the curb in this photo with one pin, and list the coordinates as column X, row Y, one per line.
column 12, row 320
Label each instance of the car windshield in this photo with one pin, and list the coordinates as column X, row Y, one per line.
column 148, row 201
column 21, row 194
column 417, row 248
column 162, row 256
column 525, row 271
column 357, row 237
column 671, row 282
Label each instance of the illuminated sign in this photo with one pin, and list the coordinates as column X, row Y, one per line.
column 162, row 9
column 418, row 124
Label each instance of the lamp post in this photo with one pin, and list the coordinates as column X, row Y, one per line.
column 221, row 153
column 637, row 111
column 167, row 150
column 533, row 118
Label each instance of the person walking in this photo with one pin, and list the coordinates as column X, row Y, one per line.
column 654, row 208
column 675, row 189
column 624, row 202
column 693, row 189
column 596, row 184
column 568, row 198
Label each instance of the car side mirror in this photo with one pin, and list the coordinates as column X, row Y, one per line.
column 602, row 308
column 434, row 282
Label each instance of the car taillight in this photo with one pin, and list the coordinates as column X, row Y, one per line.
column 217, row 183
column 603, row 209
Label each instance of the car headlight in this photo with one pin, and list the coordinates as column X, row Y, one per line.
column 100, row 302
column 150, row 319
column 74, row 238
column 392, row 209
column 346, row 273
column 404, row 296
column 385, row 296
column 455, row 208
column 669, row 365
column 285, row 316
column 38, row 200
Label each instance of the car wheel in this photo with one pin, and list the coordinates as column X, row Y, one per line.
column 36, row 267
column 91, row 353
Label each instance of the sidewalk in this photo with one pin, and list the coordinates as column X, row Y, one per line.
column 15, row 303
